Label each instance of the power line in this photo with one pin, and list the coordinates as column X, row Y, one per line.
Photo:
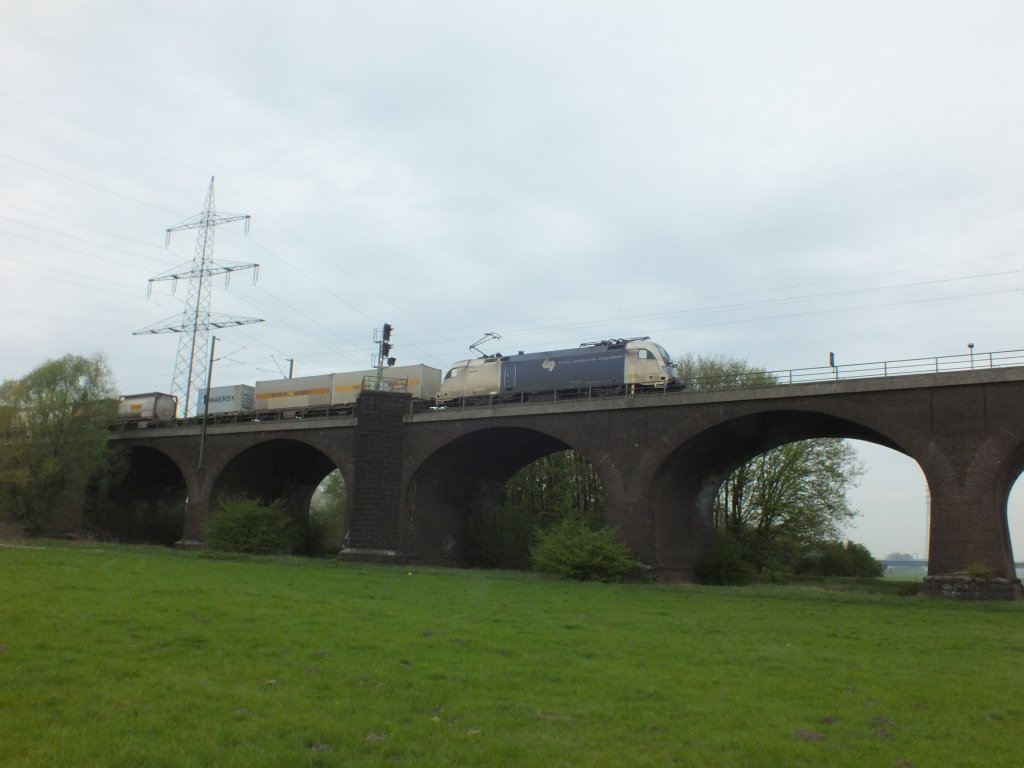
column 87, row 184
column 128, row 264
column 76, row 282
column 98, row 132
column 79, row 225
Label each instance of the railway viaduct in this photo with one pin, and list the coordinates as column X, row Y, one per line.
column 415, row 478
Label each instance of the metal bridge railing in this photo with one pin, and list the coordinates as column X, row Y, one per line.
column 758, row 378
column 884, row 369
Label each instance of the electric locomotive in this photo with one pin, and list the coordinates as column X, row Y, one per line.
column 601, row 367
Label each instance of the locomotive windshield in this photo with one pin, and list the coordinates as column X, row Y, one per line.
column 664, row 355
column 670, row 367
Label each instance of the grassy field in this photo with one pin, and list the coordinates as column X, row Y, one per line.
column 146, row 657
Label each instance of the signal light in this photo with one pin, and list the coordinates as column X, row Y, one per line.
column 384, row 349
column 387, row 332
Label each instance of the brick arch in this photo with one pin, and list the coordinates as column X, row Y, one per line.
column 1006, row 454
column 244, row 463
column 460, row 474
column 148, row 503
column 285, row 468
column 684, row 480
column 1010, row 473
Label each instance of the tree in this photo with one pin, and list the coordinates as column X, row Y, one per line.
column 554, row 485
column 788, row 499
column 328, row 516
column 900, row 556
column 771, row 509
column 53, row 441
column 506, row 523
column 720, row 372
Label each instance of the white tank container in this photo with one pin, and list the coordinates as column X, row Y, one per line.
column 151, row 406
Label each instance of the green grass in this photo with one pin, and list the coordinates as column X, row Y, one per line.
column 139, row 657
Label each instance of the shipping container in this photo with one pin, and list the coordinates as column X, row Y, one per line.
column 237, row 398
column 302, row 392
column 420, row 381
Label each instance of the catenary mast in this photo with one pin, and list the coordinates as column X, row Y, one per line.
column 195, row 322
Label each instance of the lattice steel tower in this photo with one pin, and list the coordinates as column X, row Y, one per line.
column 190, row 369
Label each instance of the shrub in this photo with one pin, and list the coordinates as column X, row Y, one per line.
column 499, row 536
column 241, row 524
column 328, row 516
column 727, row 562
column 325, row 534
column 835, row 558
column 980, row 571
column 571, row 549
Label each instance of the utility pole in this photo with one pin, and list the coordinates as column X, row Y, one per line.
column 206, row 403
column 196, row 320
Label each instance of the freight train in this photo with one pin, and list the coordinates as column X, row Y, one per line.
column 612, row 366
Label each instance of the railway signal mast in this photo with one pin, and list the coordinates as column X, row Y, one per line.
column 383, row 352
column 190, row 369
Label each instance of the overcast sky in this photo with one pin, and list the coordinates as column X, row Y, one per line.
column 765, row 181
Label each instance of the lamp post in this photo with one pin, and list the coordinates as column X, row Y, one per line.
column 970, row 349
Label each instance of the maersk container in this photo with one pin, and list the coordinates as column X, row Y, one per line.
column 237, row 398
column 151, row 406
column 302, row 392
column 595, row 366
column 421, row 381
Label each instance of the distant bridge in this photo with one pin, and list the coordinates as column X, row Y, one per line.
column 923, row 564
column 416, row 478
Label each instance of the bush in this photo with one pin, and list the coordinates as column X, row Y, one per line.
column 726, row 563
column 835, row 558
column 571, row 549
column 499, row 536
column 980, row 571
column 328, row 517
column 325, row 534
column 241, row 524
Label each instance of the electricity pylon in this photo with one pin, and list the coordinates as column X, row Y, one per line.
column 196, row 320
